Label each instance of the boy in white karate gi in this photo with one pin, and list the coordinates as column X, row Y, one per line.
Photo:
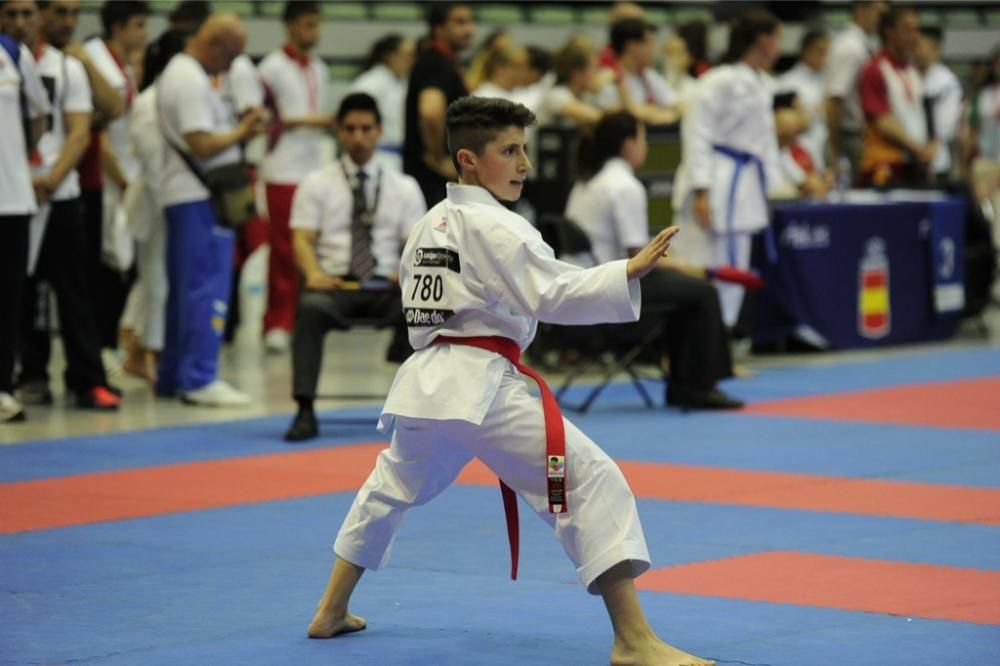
column 476, row 279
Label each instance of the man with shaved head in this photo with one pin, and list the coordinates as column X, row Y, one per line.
column 202, row 133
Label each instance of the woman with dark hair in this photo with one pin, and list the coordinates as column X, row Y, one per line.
column 610, row 205
column 730, row 153
column 384, row 76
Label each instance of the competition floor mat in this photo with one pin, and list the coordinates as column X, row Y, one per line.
column 849, row 515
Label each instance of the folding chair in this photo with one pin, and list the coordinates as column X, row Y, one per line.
column 628, row 343
column 375, row 324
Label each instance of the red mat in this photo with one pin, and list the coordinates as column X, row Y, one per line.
column 151, row 491
column 847, row 583
column 969, row 403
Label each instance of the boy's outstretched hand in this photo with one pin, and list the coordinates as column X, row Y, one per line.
column 645, row 261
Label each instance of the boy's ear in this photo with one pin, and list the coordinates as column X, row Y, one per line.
column 466, row 158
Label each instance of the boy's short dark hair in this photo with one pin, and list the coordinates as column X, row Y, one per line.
column 297, row 8
column 358, row 101
column 120, row 13
column 629, row 30
column 475, row 121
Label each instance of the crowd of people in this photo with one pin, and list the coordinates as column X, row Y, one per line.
column 128, row 197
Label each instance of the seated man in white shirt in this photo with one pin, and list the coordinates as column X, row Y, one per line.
column 611, row 207
column 349, row 222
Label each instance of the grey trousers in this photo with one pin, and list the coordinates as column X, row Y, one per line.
column 319, row 312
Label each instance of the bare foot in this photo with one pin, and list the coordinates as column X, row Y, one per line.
column 328, row 625
column 653, row 652
column 138, row 368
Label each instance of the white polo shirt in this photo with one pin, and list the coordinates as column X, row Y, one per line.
column 297, row 91
column 987, row 112
column 124, row 83
column 16, row 194
column 849, row 52
column 242, row 86
column 324, row 202
column 649, row 87
column 807, row 84
column 69, row 92
column 389, row 92
column 187, row 101
column 611, row 208
column 550, row 108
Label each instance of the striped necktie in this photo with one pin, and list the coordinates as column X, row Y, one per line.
column 362, row 260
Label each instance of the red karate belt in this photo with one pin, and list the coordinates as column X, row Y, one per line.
column 555, row 437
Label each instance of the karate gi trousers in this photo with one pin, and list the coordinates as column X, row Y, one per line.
column 600, row 530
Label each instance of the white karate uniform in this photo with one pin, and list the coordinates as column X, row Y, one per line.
column 145, row 310
column 731, row 110
column 473, row 268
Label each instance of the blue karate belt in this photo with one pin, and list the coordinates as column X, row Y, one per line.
column 742, row 160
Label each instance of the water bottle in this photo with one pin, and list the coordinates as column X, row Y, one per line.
column 842, row 181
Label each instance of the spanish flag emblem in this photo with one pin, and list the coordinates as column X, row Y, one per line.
column 874, row 311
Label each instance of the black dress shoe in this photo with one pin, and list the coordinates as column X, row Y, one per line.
column 710, row 399
column 303, row 427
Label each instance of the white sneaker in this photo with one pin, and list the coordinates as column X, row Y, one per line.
column 216, row 394
column 277, row 341
column 11, row 410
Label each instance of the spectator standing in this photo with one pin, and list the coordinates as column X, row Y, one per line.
column 805, row 79
column 503, row 72
column 195, row 119
column 297, row 83
column 676, row 65
column 435, row 82
column 943, row 92
column 350, row 221
column 620, row 10
column 898, row 148
column 57, row 231
column 385, row 76
column 124, row 27
column 185, row 19
column 570, row 101
column 146, row 307
column 850, row 50
column 19, row 134
column 643, row 91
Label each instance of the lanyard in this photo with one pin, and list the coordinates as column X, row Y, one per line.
column 555, row 437
column 352, row 183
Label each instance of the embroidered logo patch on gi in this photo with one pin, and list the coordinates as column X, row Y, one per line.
column 437, row 257
column 442, row 225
